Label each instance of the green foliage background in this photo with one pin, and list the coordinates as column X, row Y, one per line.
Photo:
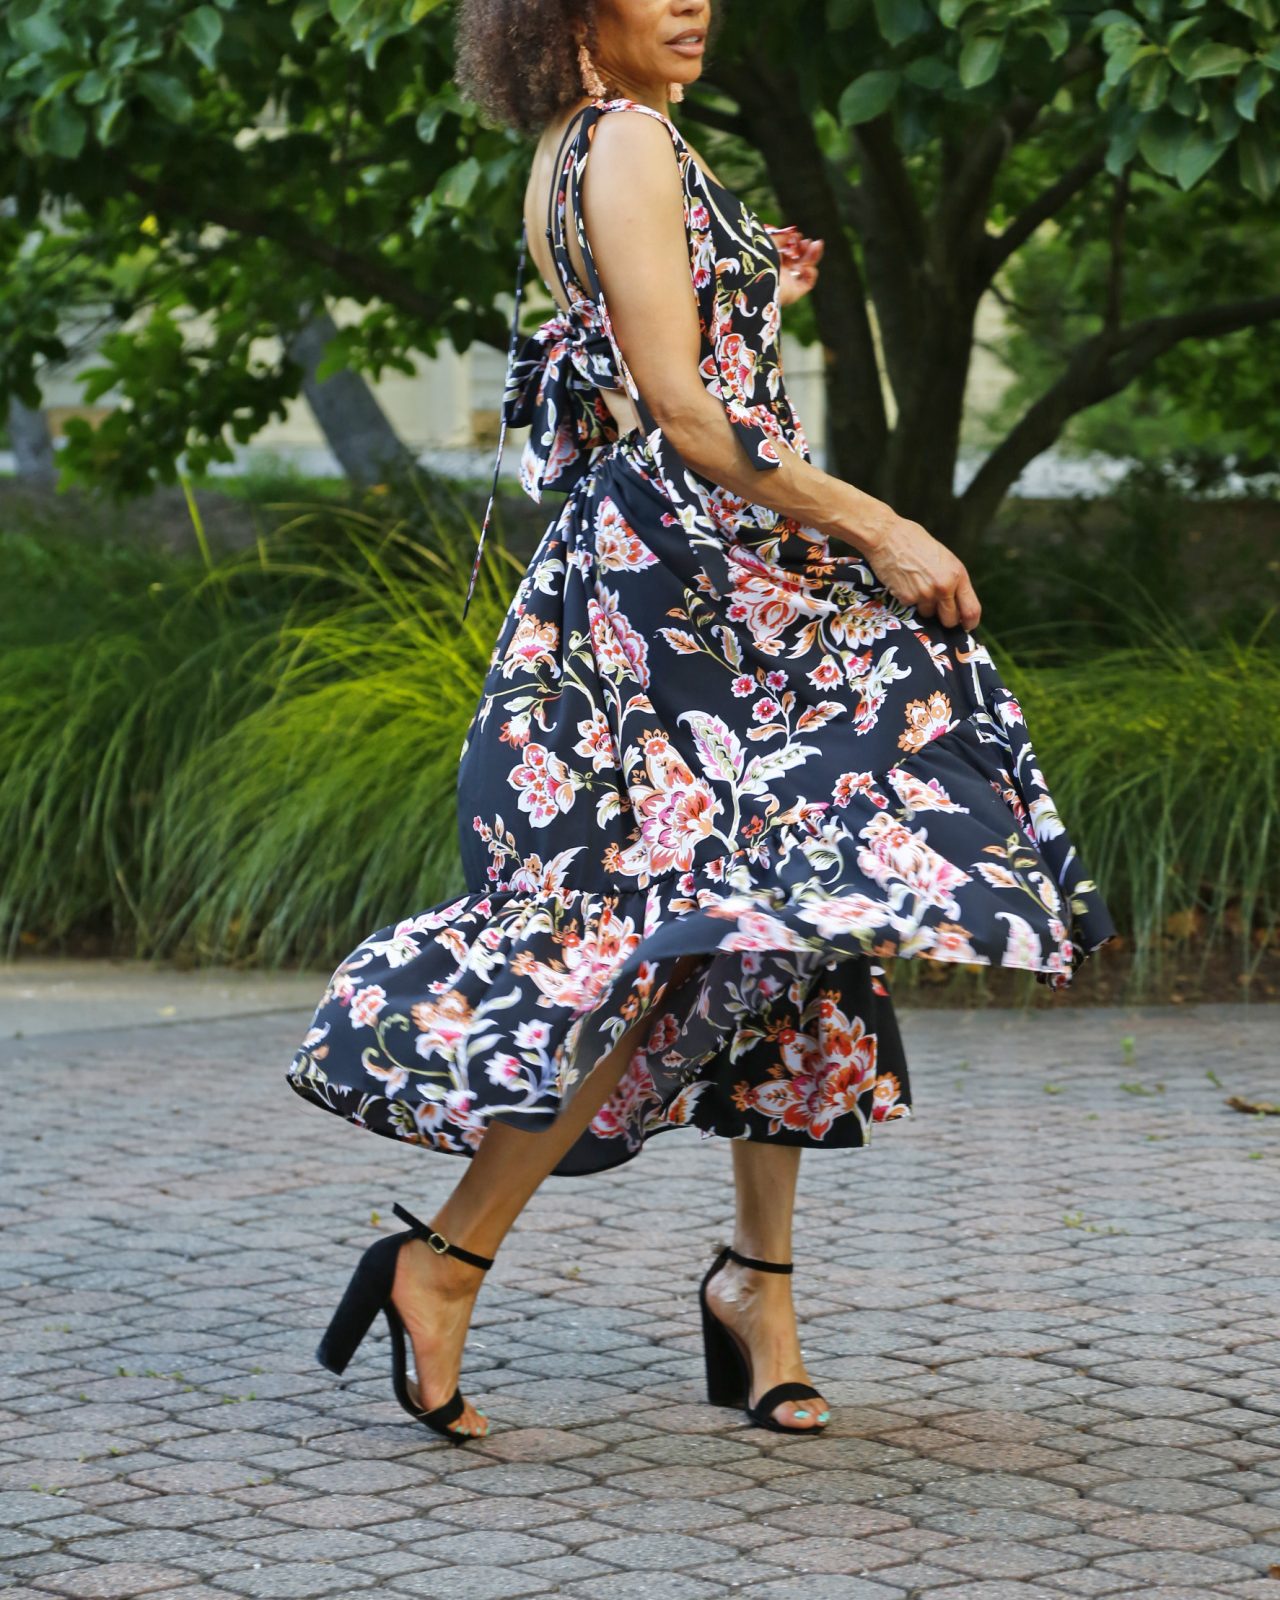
column 252, row 757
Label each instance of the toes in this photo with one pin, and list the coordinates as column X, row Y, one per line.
column 807, row 1416
column 473, row 1424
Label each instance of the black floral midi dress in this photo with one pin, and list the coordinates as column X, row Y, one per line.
column 705, row 731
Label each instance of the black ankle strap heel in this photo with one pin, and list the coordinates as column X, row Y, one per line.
column 760, row 1266
column 368, row 1293
column 728, row 1361
column 438, row 1242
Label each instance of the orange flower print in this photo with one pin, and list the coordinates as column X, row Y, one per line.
column 926, row 720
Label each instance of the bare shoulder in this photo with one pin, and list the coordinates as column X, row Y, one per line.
column 633, row 145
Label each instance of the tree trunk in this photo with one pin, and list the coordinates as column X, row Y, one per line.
column 354, row 425
column 32, row 444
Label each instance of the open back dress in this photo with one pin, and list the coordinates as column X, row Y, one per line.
column 708, row 731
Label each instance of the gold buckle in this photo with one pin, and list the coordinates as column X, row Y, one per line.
column 443, row 1245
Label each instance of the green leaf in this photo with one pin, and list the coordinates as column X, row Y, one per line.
column 950, row 11
column 107, row 119
column 842, row 14
column 170, row 96
column 1250, row 87
column 930, row 72
column 1183, row 98
column 92, row 88
column 1259, row 163
column 867, row 96
column 979, row 58
column 1160, row 141
column 430, row 118
column 901, row 19
column 1198, row 153
column 305, row 13
column 1213, row 60
column 455, row 186
column 1056, row 33
column 200, row 32
column 1150, row 82
column 59, row 127
column 1115, row 19
column 40, row 33
column 1124, row 141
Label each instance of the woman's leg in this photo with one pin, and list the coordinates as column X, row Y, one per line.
column 758, row 1305
column 434, row 1294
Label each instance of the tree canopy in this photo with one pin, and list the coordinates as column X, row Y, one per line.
column 182, row 182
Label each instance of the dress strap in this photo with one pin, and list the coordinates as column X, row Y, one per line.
column 570, row 171
column 502, row 423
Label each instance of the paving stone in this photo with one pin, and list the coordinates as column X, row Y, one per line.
column 294, row 1580
column 471, row 1583
column 1174, row 1566
column 120, row 1580
column 665, row 1551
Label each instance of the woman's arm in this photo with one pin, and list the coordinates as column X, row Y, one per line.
column 633, row 214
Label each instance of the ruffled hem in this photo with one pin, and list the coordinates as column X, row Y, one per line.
column 484, row 1006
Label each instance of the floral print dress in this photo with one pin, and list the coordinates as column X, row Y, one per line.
column 706, row 731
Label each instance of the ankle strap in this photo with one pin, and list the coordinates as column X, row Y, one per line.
column 759, row 1266
column 438, row 1242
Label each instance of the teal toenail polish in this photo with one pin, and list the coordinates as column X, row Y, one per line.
column 824, row 1416
column 802, row 1413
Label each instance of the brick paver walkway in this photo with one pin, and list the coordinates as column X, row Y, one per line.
column 1045, row 1311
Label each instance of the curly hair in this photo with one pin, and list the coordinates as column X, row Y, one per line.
column 518, row 59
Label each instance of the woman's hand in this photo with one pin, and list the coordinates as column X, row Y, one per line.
column 918, row 570
column 800, row 257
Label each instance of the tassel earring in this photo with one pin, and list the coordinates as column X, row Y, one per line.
column 675, row 91
column 591, row 79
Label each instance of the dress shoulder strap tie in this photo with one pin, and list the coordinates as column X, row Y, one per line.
column 502, row 423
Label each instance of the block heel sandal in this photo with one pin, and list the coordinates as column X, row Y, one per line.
column 729, row 1361
column 368, row 1293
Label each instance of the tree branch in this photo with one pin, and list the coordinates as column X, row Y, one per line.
column 896, row 196
column 1099, row 367
column 1000, row 246
column 293, row 235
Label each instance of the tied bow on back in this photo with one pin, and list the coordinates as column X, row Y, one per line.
column 553, row 390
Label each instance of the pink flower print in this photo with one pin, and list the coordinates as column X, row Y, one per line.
column 676, row 812
column 1009, row 711
column 532, row 644
column 366, row 1005
column 620, row 651
column 596, row 742
column 765, row 710
column 894, row 855
column 545, row 785
column 743, row 685
column 442, row 1023
column 849, row 784
column 775, row 680
column 617, row 547
column 532, row 1035
column 506, row 1071
column 826, row 674
column 738, row 363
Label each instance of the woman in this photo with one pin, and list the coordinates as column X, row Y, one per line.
column 737, row 743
